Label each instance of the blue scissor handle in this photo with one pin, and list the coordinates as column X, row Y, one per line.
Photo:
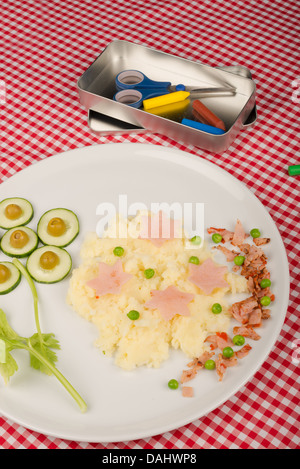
column 134, row 98
column 134, row 79
column 134, row 87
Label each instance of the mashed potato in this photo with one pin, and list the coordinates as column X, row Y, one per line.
column 147, row 340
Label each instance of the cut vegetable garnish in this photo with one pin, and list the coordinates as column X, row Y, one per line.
column 49, row 264
column 4, row 273
column 49, row 260
column 15, row 211
column 58, row 227
column 19, row 242
column 41, row 347
column 10, row 277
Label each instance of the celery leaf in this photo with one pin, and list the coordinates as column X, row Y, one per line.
column 48, row 343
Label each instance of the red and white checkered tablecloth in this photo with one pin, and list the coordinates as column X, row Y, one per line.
column 47, row 45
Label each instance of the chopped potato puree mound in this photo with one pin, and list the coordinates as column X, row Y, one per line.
column 147, row 341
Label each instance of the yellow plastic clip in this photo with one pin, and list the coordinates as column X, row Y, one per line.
column 169, row 98
column 172, row 111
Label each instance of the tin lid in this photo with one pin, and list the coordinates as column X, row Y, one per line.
column 103, row 125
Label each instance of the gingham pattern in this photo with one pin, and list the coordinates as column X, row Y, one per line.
column 46, row 46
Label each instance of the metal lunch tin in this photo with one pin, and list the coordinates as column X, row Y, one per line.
column 96, row 88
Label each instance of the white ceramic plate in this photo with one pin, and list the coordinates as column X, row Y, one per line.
column 125, row 405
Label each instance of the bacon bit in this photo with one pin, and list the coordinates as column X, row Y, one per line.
column 226, row 235
column 230, row 255
column 187, row 375
column 232, row 361
column 261, row 241
column 239, row 234
column 253, row 254
column 223, row 363
column 245, row 247
column 265, row 313
column 187, row 391
column 246, row 331
column 255, row 318
column 251, row 284
column 220, row 367
column 170, row 302
column 263, row 292
column 198, row 363
column 208, row 276
column 242, row 309
column 212, row 339
column 243, row 352
column 219, row 340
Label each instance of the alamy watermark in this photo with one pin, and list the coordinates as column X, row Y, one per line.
column 161, row 220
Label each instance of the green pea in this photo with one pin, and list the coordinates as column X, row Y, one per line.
column 228, row 352
column 255, row 233
column 118, row 251
column 133, row 315
column 149, row 273
column 265, row 283
column 173, row 384
column 196, row 240
column 210, row 364
column 194, row 260
column 216, row 308
column 239, row 260
column 265, row 301
column 216, row 237
column 238, row 340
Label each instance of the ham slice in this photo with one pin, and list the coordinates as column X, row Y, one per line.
column 170, row 302
column 187, row 391
column 208, row 276
column 110, row 279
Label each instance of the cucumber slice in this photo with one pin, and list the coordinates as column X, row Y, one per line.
column 15, row 211
column 9, row 282
column 11, row 250
column 49, row 275
column 69, row 231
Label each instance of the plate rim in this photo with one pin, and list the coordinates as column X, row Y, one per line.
column 162, row 150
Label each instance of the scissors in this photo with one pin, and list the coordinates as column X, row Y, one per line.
column 133, row 87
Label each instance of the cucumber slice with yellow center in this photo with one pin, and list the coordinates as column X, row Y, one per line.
column 10, row 277
column 58, row 227
column 19, row 242
column 15, row 211
column 49, row 264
